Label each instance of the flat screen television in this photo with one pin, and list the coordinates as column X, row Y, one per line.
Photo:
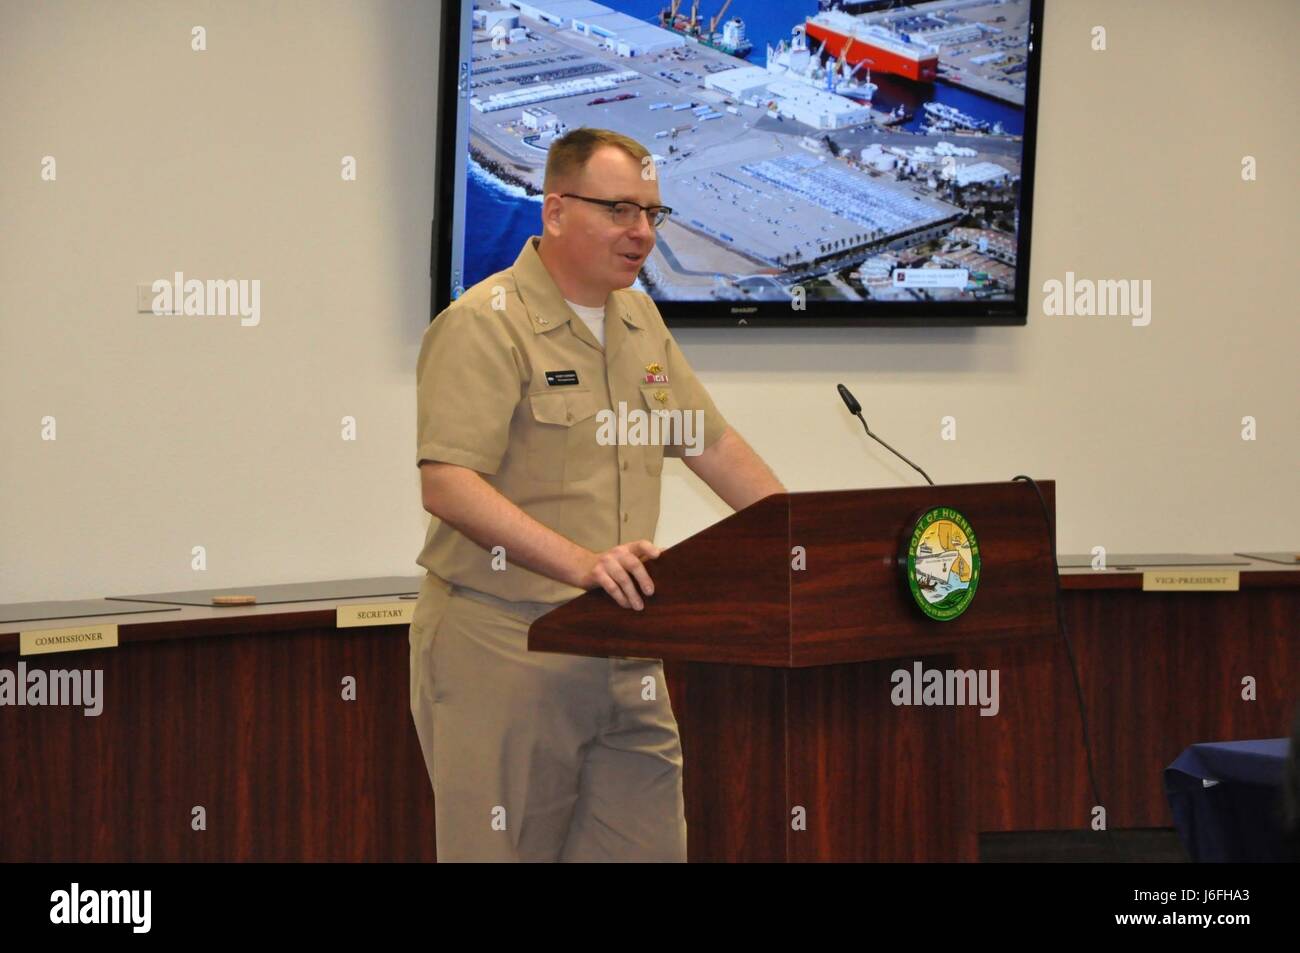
column 828, row 163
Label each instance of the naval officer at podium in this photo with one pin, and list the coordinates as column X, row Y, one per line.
column 534, row 391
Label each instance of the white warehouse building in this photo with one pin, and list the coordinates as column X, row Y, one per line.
column 816, row 108
column 742, row 82
column 796, row 100
column 980, row 173
column 625, row 34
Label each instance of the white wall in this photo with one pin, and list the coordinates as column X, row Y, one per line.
column 177, row 432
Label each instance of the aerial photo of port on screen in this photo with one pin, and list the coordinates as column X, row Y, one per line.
column 862, row 151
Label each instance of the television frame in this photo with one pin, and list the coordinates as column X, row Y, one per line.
column 451, row 147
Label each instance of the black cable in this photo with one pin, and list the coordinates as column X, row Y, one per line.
column 1069, row 650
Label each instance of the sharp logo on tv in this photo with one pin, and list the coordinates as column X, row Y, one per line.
column 862, row 158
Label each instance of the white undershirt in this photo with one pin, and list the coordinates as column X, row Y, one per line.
column 593, row 318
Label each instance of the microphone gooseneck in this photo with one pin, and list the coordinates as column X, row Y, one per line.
column 855, row 409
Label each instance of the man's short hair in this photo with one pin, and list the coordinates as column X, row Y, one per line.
column 570, row 153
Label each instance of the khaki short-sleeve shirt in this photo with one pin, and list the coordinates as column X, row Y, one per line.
column 511, row 383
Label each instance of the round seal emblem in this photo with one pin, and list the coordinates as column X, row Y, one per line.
column 943, row 563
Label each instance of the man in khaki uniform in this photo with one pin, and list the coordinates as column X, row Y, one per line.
column 545, row 484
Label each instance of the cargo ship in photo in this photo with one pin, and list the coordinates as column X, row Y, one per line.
column 947, row 117
column 935, row 569
column 731, row 40
column 798, row 63
column 882, row 49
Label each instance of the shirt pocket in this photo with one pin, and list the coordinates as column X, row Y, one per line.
column 664, row 422
column 562, row 436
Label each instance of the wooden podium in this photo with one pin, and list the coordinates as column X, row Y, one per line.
column 781, row 677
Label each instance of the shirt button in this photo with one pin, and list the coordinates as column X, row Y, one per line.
column 624, row 463
column 624, row 517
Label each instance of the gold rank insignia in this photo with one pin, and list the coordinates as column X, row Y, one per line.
column 654, row 368
column 661, row 396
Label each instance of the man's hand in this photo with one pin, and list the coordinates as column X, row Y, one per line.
column 461, row 498
column 614, row 569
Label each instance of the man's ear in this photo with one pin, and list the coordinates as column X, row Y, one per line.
column 552, row 213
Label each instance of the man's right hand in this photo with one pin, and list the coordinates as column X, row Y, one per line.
column 614, row 571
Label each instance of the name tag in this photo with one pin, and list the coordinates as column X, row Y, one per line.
column 1191, row 580
column 560, row 378
column 76, row 638
column 380, row 613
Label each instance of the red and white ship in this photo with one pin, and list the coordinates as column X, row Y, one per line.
column 881, row 49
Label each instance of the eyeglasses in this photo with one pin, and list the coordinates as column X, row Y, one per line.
column 627, row 213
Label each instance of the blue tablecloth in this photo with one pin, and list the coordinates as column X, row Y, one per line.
column 1226, row 799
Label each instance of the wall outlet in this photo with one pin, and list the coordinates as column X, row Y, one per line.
column 144, row 295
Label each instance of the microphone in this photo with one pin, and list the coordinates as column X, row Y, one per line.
column 855, row 408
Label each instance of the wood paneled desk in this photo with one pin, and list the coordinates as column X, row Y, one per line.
column 237, row 710
column 240, row 711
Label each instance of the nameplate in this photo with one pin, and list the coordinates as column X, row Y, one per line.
column 1191, row 580
column 377, row 613
column 78, row 638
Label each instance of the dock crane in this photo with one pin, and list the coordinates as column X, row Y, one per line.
column 848, row 72
column 713, row 24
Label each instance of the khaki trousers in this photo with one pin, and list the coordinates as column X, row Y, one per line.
column 537, row 756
